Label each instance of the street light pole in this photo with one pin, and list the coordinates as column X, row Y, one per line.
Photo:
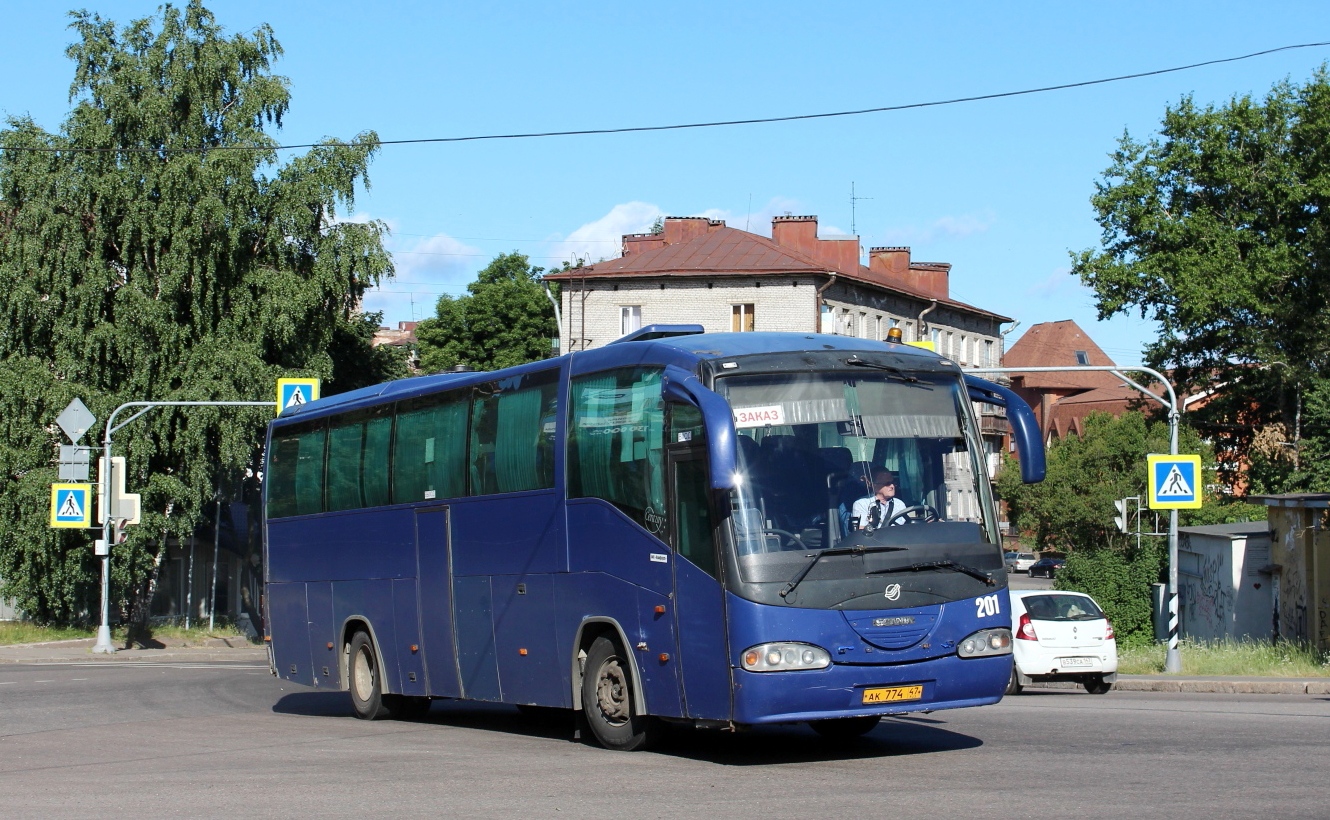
column 103, row 645
column 1172, row 658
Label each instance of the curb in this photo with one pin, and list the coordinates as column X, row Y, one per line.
column 1212, row 686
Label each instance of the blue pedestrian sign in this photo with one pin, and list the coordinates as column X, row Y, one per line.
column 71, row 505
column 1175, row 482
column 295, row 392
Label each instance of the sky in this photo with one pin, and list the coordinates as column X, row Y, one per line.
column 999, row 188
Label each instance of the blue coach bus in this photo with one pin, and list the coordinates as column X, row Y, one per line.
column 649, row 532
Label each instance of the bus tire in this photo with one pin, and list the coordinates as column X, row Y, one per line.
column 607, row 700
column 845, row 728
column 365, row 680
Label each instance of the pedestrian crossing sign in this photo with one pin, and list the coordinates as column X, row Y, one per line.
column 71, row 505
column 295, row 392
column 1175, row 482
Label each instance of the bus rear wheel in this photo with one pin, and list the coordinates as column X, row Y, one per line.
column 845, row 728
column 366, row 683
column 607, row 700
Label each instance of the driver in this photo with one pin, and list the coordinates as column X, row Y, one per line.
column 876, row 510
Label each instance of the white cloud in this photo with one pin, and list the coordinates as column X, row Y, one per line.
column 426, row 269
column 951, row 226
column 601, row 239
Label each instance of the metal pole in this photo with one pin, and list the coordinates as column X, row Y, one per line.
column 216, row 547
column 1172, row 657
column 189, row 583
column 103, row 645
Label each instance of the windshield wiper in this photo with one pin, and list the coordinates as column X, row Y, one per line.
column 901, row 374
column 948, row 564
column 813, row 559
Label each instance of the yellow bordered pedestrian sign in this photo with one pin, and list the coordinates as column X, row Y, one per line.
column 71, row 505
column 295, row 392
column 1175, row 482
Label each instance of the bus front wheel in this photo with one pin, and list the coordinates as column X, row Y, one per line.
column 607, row 700
column 366, row 684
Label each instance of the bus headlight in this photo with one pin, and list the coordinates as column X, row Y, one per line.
column 785, row 657
column 986, row 643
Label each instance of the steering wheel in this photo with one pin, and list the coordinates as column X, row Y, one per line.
column 918, row 514
column 785, row 534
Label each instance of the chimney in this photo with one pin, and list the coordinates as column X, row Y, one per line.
column 799, row 233
column 892, row 266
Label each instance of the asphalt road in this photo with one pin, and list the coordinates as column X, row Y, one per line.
column 229, row 740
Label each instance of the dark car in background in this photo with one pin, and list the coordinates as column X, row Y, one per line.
column 1045, row 567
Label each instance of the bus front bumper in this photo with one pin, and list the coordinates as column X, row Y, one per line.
column 844, row 690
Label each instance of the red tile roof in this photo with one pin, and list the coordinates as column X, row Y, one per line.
column 725, row 251
column 1054, row 344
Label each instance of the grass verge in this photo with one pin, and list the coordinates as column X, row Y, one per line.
column 1229, row 658
column 172, row 633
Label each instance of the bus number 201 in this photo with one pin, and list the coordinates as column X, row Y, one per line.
column 986, row 606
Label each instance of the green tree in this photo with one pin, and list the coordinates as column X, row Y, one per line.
column 1072, row 508
column 505, row 320
column 1218, row 228
column 155, row 248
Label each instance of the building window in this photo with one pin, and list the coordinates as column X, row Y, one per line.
column 989, row 361
column 1082, row 358
column 937, row 340
column 630, row 319
column 741, row 318
column 877, row 328
column 863, row 323
column 962, row 351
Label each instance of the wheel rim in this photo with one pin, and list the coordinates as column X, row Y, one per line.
column 363, row 678
column 612, row 693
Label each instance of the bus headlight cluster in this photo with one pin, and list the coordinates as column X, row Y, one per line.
column 986, row 643
column 785, row 657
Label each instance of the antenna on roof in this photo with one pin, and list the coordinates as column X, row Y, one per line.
column 854, row 230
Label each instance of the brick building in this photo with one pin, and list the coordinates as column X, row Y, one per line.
column 698, row 271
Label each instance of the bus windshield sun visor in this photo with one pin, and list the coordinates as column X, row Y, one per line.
column 680, row 385
column 1024, row 427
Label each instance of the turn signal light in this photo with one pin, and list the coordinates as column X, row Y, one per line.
column 1025, row 630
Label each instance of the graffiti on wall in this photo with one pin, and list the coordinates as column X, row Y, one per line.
column 1207, row 597
column 1293, row 624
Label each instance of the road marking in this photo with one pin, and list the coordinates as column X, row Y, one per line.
column 8, row 682
column 43, row 681
column 71, row 680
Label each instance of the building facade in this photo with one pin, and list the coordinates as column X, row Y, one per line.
column 699, row 271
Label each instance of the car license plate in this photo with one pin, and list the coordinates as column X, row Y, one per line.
column 1076, row 661
column 892, row 694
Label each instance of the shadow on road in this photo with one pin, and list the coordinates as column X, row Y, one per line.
column 766, row 745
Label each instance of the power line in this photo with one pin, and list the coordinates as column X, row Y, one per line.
column 680, row 126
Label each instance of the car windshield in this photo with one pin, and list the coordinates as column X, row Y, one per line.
column 1062, row 607
column 816, row 453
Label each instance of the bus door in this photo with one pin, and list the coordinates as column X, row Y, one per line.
column 699, row 606
column 434, row 578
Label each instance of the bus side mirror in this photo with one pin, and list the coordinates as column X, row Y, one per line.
column 680, row 385
column 1024, row 427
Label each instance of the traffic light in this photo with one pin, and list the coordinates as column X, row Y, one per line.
column 1121, row 518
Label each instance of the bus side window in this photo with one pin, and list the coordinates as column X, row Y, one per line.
column 615, row 439
column 358, row 459
column 510, row 449
column 429, row 449
column 309, row 472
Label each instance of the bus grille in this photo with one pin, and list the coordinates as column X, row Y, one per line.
column 892, row 629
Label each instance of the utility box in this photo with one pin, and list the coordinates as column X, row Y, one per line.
column 1226, row 582
column 1300, row 557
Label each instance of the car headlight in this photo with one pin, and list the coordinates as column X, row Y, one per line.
column 986, row 643
column 785, row 657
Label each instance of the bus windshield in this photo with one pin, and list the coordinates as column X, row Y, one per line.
column 859, row 491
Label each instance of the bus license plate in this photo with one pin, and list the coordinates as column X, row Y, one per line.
column 1077, row 661
column 892, row 694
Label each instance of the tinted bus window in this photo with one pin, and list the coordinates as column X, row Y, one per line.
column 512, row 434
column 429, row 456
column 295, row 471
column 358, row 460
column 614, row 442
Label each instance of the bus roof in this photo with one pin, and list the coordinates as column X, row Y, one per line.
column 682, row 347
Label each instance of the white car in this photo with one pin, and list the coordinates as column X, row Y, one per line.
column 1021, row 562
column 1061, row 636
